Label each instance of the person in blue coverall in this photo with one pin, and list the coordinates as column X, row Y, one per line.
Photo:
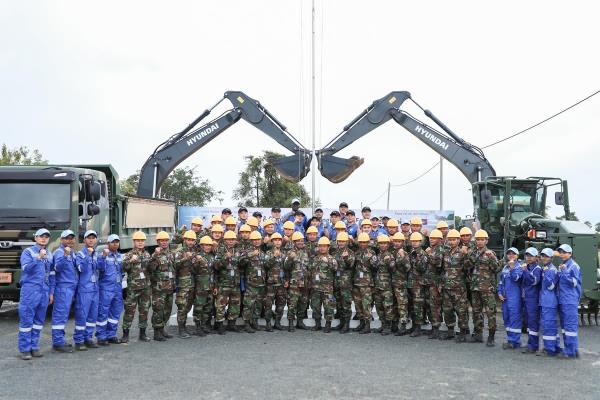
column 110, row 271
column 509, row 292
column 65, row 285
column 569, row 294
column 36, row 270
column 549, row 305
column 86, row 303
column 532, row 278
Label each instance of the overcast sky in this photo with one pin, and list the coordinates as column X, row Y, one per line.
column 107, row 82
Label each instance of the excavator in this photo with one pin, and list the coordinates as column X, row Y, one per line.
column 182, row 145
column 512, row 210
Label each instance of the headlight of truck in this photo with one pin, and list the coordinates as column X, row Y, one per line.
column 540, row 234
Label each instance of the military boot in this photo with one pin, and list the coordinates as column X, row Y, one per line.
column 125, row 337
column 367, row 328
column 248, row 327
column 165, row 333
column 277, row 324
column 490, row 340
column 386, row 328
column 231, row 326
column 199, row 331
column 380, row 329
column 269, row 327
column 317, row 326
column 143, row 337
column 360, row 326
column 254, row 324
column 356, row 317
column 416, row 331
column 401, row 330
column 461, row 337
column 291, row 327
column 206, row 327
column 448, row 335
column 435, row 333
column 338, row 326
column 327, row 328
column 477, row 337
column 220, row 327
column 300, row 324
column 394, row 328
column 182, row 332
column 346, row 327
column 158, row 335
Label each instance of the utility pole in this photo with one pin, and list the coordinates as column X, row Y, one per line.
column 388, row 197
column 441, row 183
column 313, row 119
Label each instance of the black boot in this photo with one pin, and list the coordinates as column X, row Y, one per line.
column 416, row 331
column 158, row 335
column 435, row 333
column 346, row 327
column 367, row 328
column 401, row 330
column 199, row 331
column 448, row 335
column 338, row 326
column 477, row 337
column 394, row 328
column 317, row 326
column 277, row 324
column 220, row 327
column 143, row 337
column 269, row 328
column 291, row 325
column 300, row 324
column 206, row 327
column 360, row 326
column 125, row 337
column 327, row 328
column 165, row 333
column 248, row 327
column 254, row 324
column 356, row 317
column 386, row 328
column 231, row 326
column 462, row 336
column 490, row 340
column 182, row 332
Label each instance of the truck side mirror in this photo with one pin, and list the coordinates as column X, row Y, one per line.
column 92, row 210
column 95, row 191
column 559, row 198
column 486, row 196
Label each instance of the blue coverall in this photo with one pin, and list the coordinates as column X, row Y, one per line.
column 110, row 269
column 549, row 304
column 65, row 278
column 569, row 294
column 86, row 303
column 510, row 287
column 531, row 298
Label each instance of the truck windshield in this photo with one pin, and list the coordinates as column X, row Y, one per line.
column 526, row 198
column 47, row 202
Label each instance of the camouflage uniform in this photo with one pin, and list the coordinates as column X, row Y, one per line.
column 382, row 294
column 433, row 279
column 184, row 270
column 363, row 283
column 162, row 275
column 416, row 282
column 276, row 292
column 399, row 285
column 455, row 290
column 311, row 249
column 484, row 265
column 296, row 267
column 255, row 273
column 204, row 284
column 228, row 281
column 343, row 282
column 138, row 287
column 323, row 269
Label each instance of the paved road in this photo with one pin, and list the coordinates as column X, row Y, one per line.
column 296, row 366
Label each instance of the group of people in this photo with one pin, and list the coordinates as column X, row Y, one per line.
column 248, row 269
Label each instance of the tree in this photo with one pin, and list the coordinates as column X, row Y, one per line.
column 21, row 156
column 260, row 185
column 182, row 186
column 571, row 217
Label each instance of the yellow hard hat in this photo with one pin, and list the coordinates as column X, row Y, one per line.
column 268, row 222
column 255, row 235
column 363, row 237
column 276, row 235
column 288, row 225
column 297, row 236
column 398, row 236
column 416, row 236
column 465, row 231
column 216, row 218
column 189, row 235
column 217, row 228
column 197, row 221
column 229, row 235
column 339, row 225
column 323, row 241
column 383, row 239
column 442, row 224
column 162, row 235
column 416, row 221
column 453, row 233
column 366, row 221
column 230, row 220
column 312, row 229
column 392, row 223
column 245, row 228
column 206, row 240
column 481, row 234
column 436, row 233
column 342, row 237
column 139, row 235
column 252, row 221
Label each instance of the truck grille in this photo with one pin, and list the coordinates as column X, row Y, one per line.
column 10, row 259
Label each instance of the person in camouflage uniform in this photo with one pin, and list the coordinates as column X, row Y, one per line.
column 415, row 281
column 435, row 258
column 253, row 263
column 135, row 265
column 323, row 268
column 363, row 282
column 203, row 286
column 467, row 246
column 227, row 272
column 399, row 281
column 216, row 234
column 162, row 277
column 243, row 247
column 311, row 247
column 455, row 289
column 483, row 265
column 296, row 268
column 288, row 231
column 382, row 294
column 269, row 231
column 343, row 280
column 185, row 261
column 276, row 290
column 196, row 227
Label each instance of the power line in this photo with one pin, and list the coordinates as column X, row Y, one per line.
column 418, row 177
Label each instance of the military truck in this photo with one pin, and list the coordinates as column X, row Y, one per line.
column 76, row 197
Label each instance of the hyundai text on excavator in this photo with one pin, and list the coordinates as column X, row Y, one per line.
column 512, row 210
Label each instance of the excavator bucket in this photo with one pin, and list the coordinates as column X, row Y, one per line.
column 292, row 168
column 337, row 169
